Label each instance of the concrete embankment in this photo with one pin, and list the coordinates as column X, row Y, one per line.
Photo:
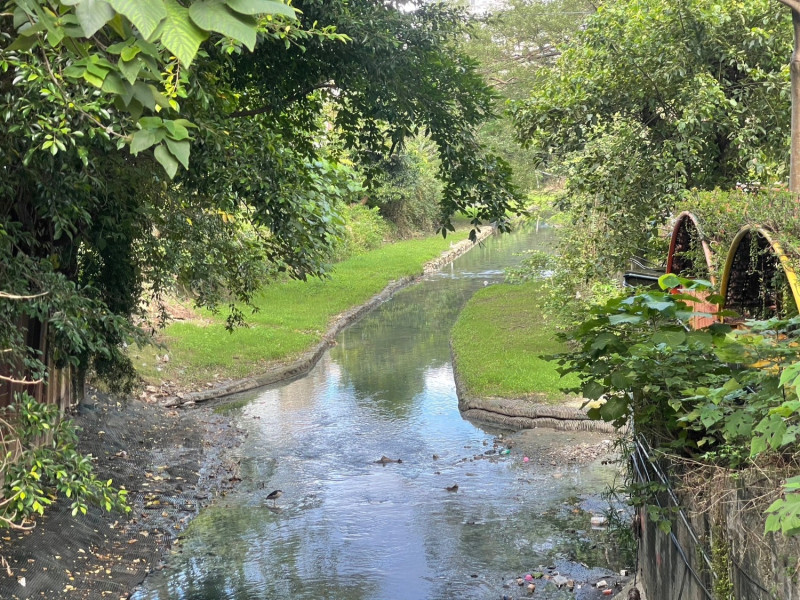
column 525, row 413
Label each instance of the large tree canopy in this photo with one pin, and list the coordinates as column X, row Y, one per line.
column 654, row 98
column 102, row 105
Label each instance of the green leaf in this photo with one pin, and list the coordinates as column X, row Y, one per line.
column 659, row 305
column 669, row 338
column 114, row 84
column 624, row 318
column 23, row 43
column 615, row 409
column 93, row 79
column 261, row 7
column 669, row 281
column 129, row 69
column 176, row 130
column 144, row 94
column 592, row 390
column 603, row 340
column 128, row 53
column 620, row 380
column 144, row 138
column 93, row 14
column 180, row 150
column 144, row 14
column 757, row 446
column 180, row 35
column 169, row 162
column 214, row 15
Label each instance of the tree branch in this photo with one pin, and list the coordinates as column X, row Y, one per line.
column 21, row 381
column 17, row 297
column 265, row 109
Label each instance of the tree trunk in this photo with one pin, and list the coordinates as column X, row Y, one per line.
column 794, row 159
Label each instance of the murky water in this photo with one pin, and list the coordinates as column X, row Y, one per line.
column 349, row 528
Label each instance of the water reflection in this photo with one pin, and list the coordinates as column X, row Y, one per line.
column 348, row 528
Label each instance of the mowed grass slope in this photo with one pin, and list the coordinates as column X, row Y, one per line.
column 292, row 317
column 500, row 341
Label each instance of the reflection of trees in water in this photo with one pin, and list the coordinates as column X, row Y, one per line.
column 385, row 356
column 240, row 566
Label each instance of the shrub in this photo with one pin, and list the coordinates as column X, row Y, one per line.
column 40, row 461
column 365, row 230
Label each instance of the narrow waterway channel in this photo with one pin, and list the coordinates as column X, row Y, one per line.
column 349, row 528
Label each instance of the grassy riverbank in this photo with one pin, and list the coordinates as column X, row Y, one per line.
column 499, row 344
column 292, row 317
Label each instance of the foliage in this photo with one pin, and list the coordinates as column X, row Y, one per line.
column 40, row 461
column 716, row 394
column 135, row 55
column 408, row 191
column 652, row 99
column 534, row 265
column 98, row 234
column 365, row 230
column 511, row 44
column 721, row 215
column 564, row 294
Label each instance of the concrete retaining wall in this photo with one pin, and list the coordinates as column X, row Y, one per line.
column 721, row 545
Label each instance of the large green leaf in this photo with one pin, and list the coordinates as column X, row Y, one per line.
column 93, row 14
column 130, row 69
column 144, row 14
column 261, row 7
column 144, row 138
column 180, row 150
column 180, row 35
column 214, row 15
column 169, row 162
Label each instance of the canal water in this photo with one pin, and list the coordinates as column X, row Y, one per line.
column 349, row 528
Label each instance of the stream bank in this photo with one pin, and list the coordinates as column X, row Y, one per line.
column 171, row 396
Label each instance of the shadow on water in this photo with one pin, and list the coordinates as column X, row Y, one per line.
column 349, row 528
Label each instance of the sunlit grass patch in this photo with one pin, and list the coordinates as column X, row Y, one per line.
column 500, row 342
column 292, row 316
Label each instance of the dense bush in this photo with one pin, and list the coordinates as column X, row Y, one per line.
column 365, row 229
column 718, row 395
column 408, row 192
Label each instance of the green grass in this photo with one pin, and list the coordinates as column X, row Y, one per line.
column 499, row 342
column 292, row 317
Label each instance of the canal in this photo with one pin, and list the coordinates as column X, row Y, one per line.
column 454, row 517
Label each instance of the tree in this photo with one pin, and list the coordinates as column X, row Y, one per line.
column 511, row 44
column 654, row 98
column 103, row 102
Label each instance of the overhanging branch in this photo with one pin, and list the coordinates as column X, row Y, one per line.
column 267, row 109
column 18, row 297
